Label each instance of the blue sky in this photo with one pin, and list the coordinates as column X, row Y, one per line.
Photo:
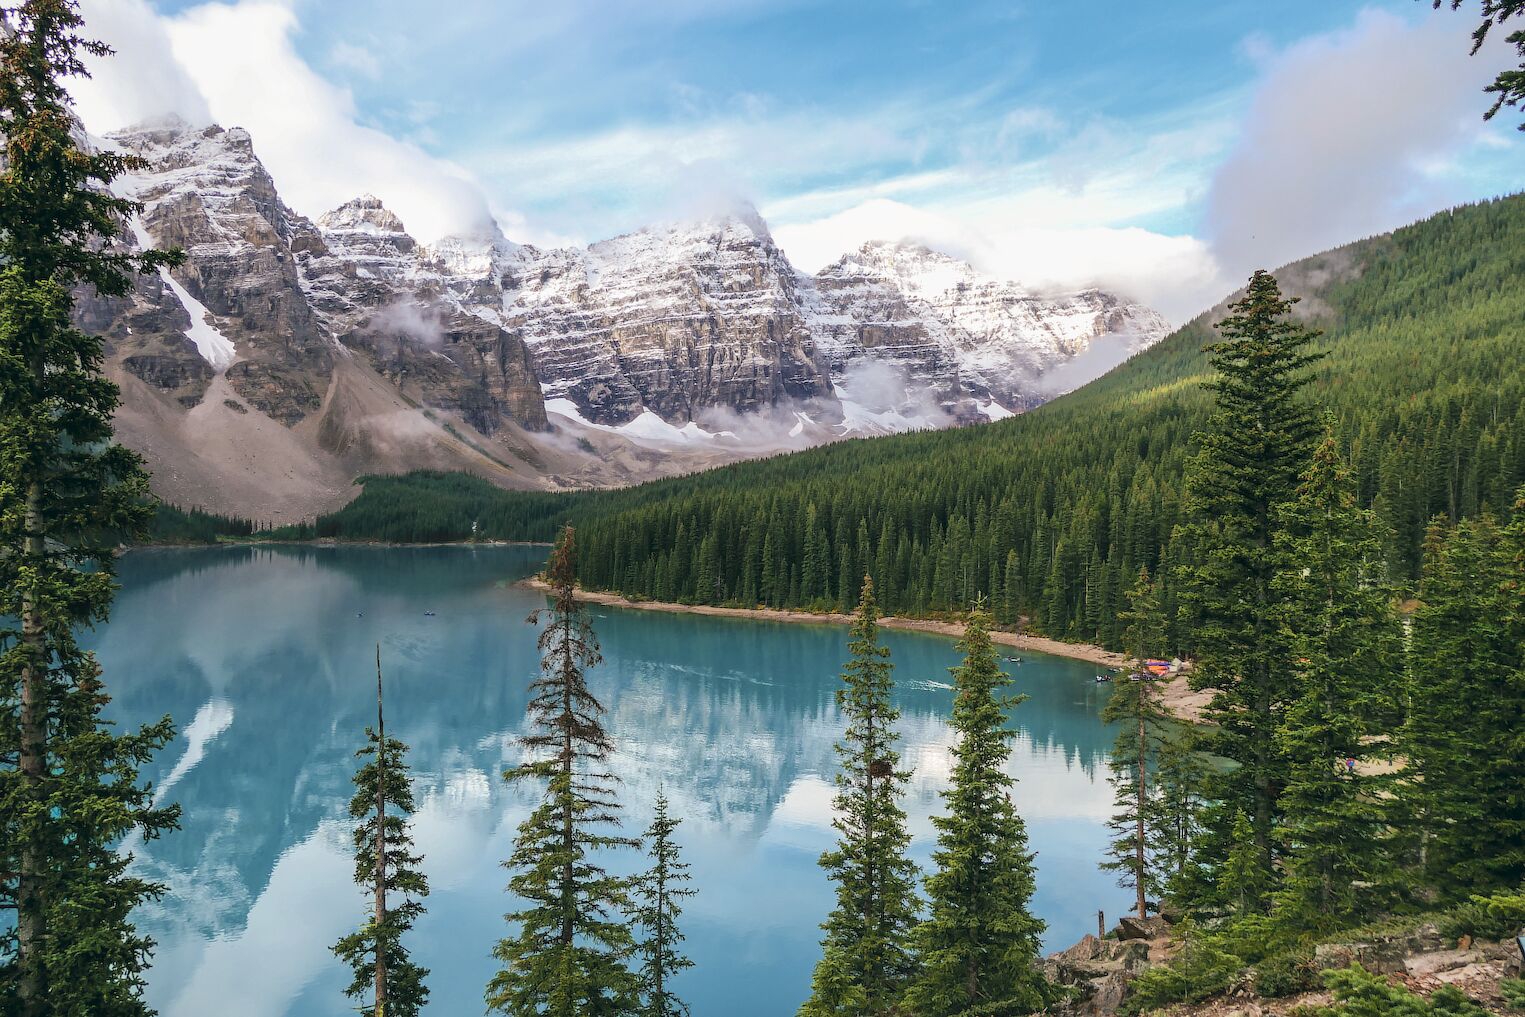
column 1123, row 143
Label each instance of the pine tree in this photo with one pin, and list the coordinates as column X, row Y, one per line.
column 659, row 893
column 1339, row 614
column 1467, row 705
column 866, row 958
column 1253, row 453
column 1506, row 749
column 1135, row 755
column 977, row 950
column 69, row 785
column 385, row 864
column 1177, row 811
column 1245, row 879
column 567, row 956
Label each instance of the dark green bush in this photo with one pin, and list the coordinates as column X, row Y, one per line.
column 1200, row 968
column 1499, row 916
column 1286, row 974
column 1359, row 993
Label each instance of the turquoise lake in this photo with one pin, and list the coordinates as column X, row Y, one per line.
column 264, row 657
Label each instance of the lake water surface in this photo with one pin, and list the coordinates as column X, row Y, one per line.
column 264, row 657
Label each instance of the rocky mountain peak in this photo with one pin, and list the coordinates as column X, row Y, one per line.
column 365, row 214
column 662, row 331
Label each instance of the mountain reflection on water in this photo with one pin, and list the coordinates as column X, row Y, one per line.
column 264, row 657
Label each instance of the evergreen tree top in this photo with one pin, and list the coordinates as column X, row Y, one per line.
column 55, row 205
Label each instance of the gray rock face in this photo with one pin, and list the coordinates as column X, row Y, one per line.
column 686, row 322
column 675, row 319
column 291, row 294
column 205, row 192
column 967, row 336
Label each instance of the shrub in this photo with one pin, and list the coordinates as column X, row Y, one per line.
column 1499, row 916
column 1513, row 990
column 1200, row 968
column 1286, row 974
column 1359, row 993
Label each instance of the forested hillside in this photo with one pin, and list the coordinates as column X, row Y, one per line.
column 1052, row 513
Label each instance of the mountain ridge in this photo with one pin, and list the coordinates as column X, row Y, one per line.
column 671, row 348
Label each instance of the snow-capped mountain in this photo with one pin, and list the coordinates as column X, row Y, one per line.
column 961, row 333
column 288, row 354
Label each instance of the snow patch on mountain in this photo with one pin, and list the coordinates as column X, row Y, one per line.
column 215, row 348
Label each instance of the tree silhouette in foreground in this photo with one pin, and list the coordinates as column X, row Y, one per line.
column 567, row 955
column 385, row 864
column 866, row 957
column 69, row 785
column 659, row 893
column 978, row 948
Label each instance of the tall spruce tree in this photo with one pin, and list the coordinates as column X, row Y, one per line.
column 1144, row 726
column 1251, row 460
column 69, row 785
column 866, row 955
column 977, row 951
column 1467, row 703
column 1177, row 811
column 659, row 894
column 1506, row 746
column 567, row 956
column 1339, row 616
column 385, row 865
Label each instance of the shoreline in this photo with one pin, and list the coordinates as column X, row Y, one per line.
column 1175, row 694
column 336, row 542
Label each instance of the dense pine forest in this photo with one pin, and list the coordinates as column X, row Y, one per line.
column 1050, row 515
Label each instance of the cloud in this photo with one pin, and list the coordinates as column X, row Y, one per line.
column 1344, row 138
column 1176, row 275
column 236, row 64
column 142, row 80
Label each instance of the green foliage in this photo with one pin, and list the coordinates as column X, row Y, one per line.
column 1358, row 993
column 658, row 896
column 978, row 947
column 1200, row 968
column 1508, row 88
column 1465, row 780
column 1491, row 916
column 1254, row 448
column 1339, row 620
column 1178, row 807
column 386, row 865
column 1246, row 880
column 172, row 524
column 69, row 785
column 1142, row 831
column 566, row 956
column 866, row 955
column 1513, row 991
column 1286, row 974
column 429, row 506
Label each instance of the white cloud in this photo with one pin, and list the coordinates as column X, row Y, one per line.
column 142, row 80
column 1345, row 134
column 242, row 70
column 1348, row 135
column 1176, row 275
